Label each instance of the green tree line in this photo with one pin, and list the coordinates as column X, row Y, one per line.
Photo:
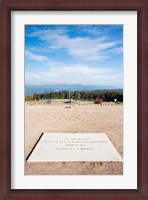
column 78, row 95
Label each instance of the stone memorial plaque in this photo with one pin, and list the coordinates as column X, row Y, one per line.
column 74, row 147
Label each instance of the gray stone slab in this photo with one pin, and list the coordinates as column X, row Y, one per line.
column 58, row 147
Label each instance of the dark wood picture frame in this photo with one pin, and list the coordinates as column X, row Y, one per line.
column 141, row 6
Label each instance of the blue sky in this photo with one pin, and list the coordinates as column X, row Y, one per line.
column 74, row 54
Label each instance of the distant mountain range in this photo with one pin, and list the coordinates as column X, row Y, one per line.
column 31, row 89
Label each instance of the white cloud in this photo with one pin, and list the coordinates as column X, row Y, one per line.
column 85, row 48
column 118, row 50
column 74, row 74
column 32, row 56
column 77, row 70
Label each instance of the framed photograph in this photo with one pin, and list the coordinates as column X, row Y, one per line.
column 74, row 99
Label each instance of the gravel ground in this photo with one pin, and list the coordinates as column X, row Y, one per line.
column 85, row 118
